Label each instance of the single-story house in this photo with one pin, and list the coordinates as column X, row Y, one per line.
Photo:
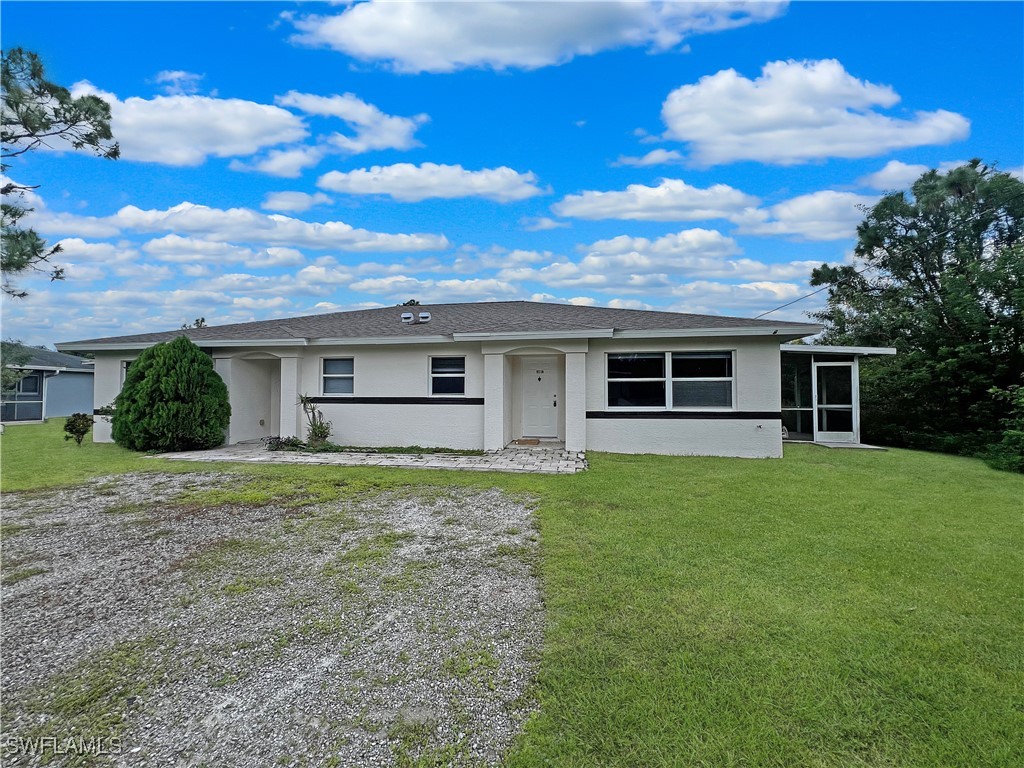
column 481, row 375
column 53, row 384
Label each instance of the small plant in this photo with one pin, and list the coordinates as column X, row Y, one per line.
column 283, row 443
column 77, row 427
column 319, row 429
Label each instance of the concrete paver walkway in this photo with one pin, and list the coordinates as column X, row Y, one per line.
column 543, row 459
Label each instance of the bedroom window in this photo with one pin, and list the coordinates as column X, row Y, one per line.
column 339, row 375
column 447, row 376
column 676, row 380
column 636, row 380
column 702, row 380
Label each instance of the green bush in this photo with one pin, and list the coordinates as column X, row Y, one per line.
column 172, row 400
column 1008, row 453
column 77, row 426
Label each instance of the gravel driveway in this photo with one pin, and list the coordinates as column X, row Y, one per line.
column 392, row 628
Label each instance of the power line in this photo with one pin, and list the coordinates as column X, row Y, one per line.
column 865, row 269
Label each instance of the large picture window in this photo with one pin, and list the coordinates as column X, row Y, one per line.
column 447, row 376
column 678, row 380
column 339, row 376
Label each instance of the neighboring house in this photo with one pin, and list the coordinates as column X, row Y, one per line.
column 54, row 384
column 482, row 375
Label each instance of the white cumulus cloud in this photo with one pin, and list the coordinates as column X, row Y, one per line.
column 185, row 129
column 293, row 202
column 242, row 225
column 247, row 226
column 436, row 291
column 671, row 200
column 373, row 129
column 541, row 223
column 412, row 183
column 896, row 175
column 178, row 82
column 284, row 163
column 445, row 37
column 654, row 157
column 795, row 112
column 824, row 215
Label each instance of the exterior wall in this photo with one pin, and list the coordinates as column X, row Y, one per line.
column 68, row 393
column 432, row 426
column 106, row 386
column 391, row 402
column 723, row 432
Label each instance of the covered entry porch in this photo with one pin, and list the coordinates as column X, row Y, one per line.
column 535, row 392
column 821, row 392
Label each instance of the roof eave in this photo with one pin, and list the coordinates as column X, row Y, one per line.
column 808, row 349
column 370, row 340
column 590, row 333
column 779, row 332
column 116, row 346
column 53, row 368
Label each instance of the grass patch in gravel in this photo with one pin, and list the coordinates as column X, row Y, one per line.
column 289, row 491
column 227, row 554
column 7, row 530
column 94, row 698
column 471, row 661
column 20, row 574
column 373, row 550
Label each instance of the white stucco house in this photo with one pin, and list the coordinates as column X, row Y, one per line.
column 481, row 375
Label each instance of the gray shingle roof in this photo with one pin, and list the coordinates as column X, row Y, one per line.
column 447, row 319
column 45, row 358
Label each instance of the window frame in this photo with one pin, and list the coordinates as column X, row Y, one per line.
column 431, row 376
column 731, row 354
column 608, row 379
column 324, row 376
column 34, row 376
column 668, row 379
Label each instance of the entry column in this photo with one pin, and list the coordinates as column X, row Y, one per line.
column 575, row 401
column 494, row 402
column 291, row 385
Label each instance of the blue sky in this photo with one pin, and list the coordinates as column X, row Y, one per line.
column 290, row 158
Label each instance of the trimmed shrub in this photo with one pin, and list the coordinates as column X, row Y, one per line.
column 77, row 426
column 172, row 400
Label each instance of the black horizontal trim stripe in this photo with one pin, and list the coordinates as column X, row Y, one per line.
column 752, row 415
column 398, row 400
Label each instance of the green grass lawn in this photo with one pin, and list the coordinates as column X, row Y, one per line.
column 832, row 608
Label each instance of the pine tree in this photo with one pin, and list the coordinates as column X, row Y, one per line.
column 172, row 400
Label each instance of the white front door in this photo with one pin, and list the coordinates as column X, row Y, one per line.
column 542, row 382
column 836, row 407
